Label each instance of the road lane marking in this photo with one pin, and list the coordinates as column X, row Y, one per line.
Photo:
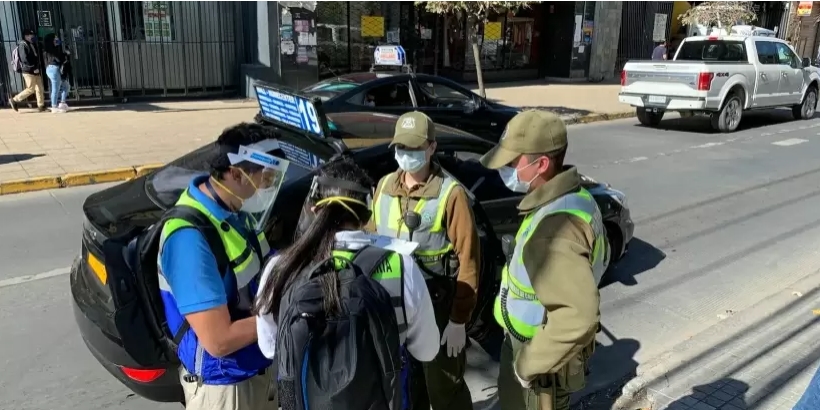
column 708, row 145
column 789, row 142
column 636, row 159
column 18, row 280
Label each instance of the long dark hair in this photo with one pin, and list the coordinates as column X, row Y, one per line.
column 316, row 242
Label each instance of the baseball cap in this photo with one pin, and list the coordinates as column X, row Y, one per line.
column 529, row 132
column 413, row 129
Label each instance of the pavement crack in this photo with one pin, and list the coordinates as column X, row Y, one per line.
column 62, row 205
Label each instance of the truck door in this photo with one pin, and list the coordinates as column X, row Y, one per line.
column 768, row 75
column 791, row 74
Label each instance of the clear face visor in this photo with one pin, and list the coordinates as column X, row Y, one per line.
column 268, row 184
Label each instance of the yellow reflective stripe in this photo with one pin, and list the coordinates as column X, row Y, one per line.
column 378, row 199
column 520, row 327
column 442, row 206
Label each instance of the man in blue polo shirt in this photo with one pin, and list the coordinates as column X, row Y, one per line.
column 222, row 366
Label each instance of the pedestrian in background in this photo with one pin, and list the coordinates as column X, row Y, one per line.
column 29, row 65
column 660, row 52
column 55, row 58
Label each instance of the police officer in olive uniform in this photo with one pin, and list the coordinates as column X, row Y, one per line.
column 549, row 302
column 448, row 253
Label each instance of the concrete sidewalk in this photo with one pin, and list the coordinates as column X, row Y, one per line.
column 761, row 358
column 110, row 143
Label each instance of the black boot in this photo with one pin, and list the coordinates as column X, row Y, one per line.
column 41, row 108
column 13, row 104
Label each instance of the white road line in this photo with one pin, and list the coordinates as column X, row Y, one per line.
column 708, row 145
column 789, row 142
column 37, row 276
column 636, row 159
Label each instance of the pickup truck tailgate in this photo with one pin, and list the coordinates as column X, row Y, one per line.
column 668, row 78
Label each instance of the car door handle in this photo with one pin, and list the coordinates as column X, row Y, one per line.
column 784, row 75
column 763, row 76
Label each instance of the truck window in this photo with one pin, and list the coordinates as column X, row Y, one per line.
column 766, row 52
column 786, row 56
column 712, row 50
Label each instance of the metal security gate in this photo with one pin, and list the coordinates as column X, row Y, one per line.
column 637, row 27
column 132, row 49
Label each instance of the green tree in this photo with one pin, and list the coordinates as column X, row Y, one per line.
column 476, row 13
column 720, row 14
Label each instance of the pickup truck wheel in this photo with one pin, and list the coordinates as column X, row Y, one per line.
column 805, row 111
column 728, row 118
column 648, row 118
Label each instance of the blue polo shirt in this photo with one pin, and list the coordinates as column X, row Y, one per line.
column 190, row 268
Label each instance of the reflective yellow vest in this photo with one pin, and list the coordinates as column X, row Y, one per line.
column 431, row 234
column 517, row 308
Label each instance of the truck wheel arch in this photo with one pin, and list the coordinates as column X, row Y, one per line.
column 739, row 90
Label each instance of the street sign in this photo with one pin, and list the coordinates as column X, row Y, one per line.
column 390, row 55
column 289, row 109
column 44, row 18
column 804, row 8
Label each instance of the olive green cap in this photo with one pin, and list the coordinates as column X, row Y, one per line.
column 529, row 132
column 413, row 129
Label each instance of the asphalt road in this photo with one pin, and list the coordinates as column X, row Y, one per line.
column 723, row 220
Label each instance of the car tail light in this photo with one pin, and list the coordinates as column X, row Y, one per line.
column 705, row 81
column 623, row 78
column 142, row 375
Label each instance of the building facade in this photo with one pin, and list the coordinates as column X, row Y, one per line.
column 126, row 50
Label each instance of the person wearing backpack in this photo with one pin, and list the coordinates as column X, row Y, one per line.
column 209, row 309
column 353, row 304
column 25, row 60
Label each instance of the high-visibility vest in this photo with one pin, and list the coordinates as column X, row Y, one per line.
column 244, row 264
column 389, row 275
column 517, row 308
column 431, row 234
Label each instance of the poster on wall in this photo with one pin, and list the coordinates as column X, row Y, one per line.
column 659, row 31
column 372, row 26
column 576, row 36
column 302, row 56
column 492, row 30
column 156, row 20
column 288, row 48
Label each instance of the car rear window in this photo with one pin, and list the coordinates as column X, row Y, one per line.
column 712, row 50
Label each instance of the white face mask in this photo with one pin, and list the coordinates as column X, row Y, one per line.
column 411, row 161
column 510, row 177
column 259, row 202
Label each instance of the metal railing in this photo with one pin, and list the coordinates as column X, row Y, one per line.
column 132, row 49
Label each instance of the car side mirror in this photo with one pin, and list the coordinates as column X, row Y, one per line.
column 806, row 62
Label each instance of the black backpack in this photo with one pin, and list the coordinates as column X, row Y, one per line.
column 352, row 361
column 139, row 316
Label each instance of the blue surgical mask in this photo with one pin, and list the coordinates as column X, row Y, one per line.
column 411, row 161
column 510, row 177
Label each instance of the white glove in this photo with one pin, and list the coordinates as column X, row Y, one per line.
column 456, row 337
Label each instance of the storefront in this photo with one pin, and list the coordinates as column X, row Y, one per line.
column 131, row 49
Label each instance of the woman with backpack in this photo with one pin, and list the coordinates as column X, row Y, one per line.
column 352, row 303
column 55, row 58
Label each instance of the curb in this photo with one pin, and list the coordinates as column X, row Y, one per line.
column 123, row 174
column 75, row 179
column 597, row 117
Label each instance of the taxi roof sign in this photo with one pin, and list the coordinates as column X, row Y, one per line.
column 390, row 55
column 292, row 111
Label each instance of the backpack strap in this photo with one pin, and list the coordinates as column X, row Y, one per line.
column 207, row 228
column 369, row 258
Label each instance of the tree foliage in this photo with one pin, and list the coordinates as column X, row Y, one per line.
column 723, row 14
column 477, row 13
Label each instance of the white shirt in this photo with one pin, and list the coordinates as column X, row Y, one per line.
column 422, row 332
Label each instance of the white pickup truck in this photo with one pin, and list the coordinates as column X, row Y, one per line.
column 721, row 76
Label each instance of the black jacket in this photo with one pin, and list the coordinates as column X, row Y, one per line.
column 29, row 59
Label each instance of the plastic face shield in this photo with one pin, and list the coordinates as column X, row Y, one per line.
column 268, row 186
